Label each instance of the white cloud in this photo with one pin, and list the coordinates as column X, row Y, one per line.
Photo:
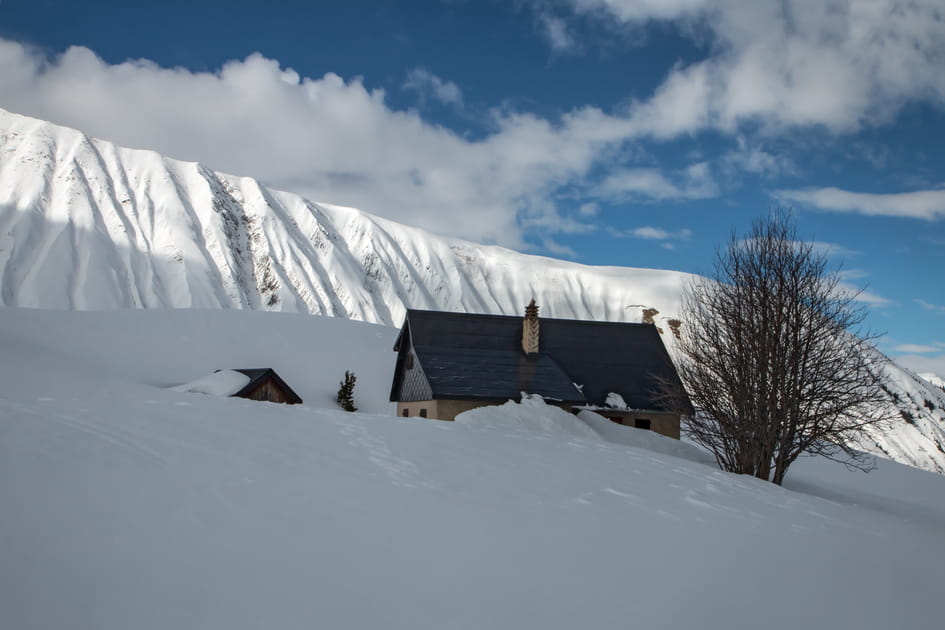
column 862, row 295
column 326, row 138
column 645, row 182
column 660, row 234
column 679, row 106
column 935, row 308
column 923, row 365
column 845, row 286
column 911, row 348
column 750, row 157
column 833, row 63
column 835, row 249
column 640, row 10
column 695, row 182
column 557, row 32
column 588, row 209
column 666, row 238
column 427, row 84
column 558, row 249
column 922, row 204
column 829, row 63
column 870, row 298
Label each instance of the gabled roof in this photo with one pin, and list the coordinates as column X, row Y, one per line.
column 600, row 357
column 494, row 374
column 257, row 376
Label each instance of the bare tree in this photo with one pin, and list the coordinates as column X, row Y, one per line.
column 772, row 358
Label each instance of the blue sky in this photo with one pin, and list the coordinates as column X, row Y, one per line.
column 612, row 132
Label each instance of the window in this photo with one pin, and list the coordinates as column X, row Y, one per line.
column 642, row 423
column 423, row 413
column 405, row 412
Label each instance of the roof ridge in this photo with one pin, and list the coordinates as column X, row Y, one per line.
column 543, row 319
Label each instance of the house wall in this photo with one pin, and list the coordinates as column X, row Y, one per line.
column 268, row 391
column 448, row 409
column 414, row 386
column 663, row 423
column 441, row 409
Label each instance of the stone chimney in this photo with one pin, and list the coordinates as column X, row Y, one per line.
column 530, row 329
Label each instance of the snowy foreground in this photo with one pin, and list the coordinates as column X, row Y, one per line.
column 127, row 504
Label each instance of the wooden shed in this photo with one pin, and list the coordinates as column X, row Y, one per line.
column 265, row 385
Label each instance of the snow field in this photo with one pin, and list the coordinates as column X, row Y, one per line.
column 130, row 505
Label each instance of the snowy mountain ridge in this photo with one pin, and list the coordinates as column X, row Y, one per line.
column 87, row 225
column 934, row 379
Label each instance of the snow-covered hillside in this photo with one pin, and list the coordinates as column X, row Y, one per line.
column 127, row 504
column 934, row 379
column 86, row 225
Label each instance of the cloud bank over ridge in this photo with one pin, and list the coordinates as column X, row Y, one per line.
column 765, row 68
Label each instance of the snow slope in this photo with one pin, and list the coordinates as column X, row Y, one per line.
column 127, row 504
column 88, row 225
column 85, row 224
column 934, row 379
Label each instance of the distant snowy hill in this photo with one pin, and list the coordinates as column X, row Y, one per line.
column 86, row 225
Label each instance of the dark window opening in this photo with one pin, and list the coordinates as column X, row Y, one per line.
column 405, row 412
column 423, row 413
column 642, row 423
column 616, row 419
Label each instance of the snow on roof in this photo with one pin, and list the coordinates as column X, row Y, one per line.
column 615, row 401
column 220, row 383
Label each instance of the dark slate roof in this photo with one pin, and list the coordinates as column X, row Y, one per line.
column 257, row 376
column 602, row 357
column 494, row 374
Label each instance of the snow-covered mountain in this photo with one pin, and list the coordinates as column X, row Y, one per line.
column 934, row 379
column 87, row 225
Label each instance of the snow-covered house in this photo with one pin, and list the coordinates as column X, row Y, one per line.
column 448, row 363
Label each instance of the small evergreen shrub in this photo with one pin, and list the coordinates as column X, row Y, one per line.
column 346, row 392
